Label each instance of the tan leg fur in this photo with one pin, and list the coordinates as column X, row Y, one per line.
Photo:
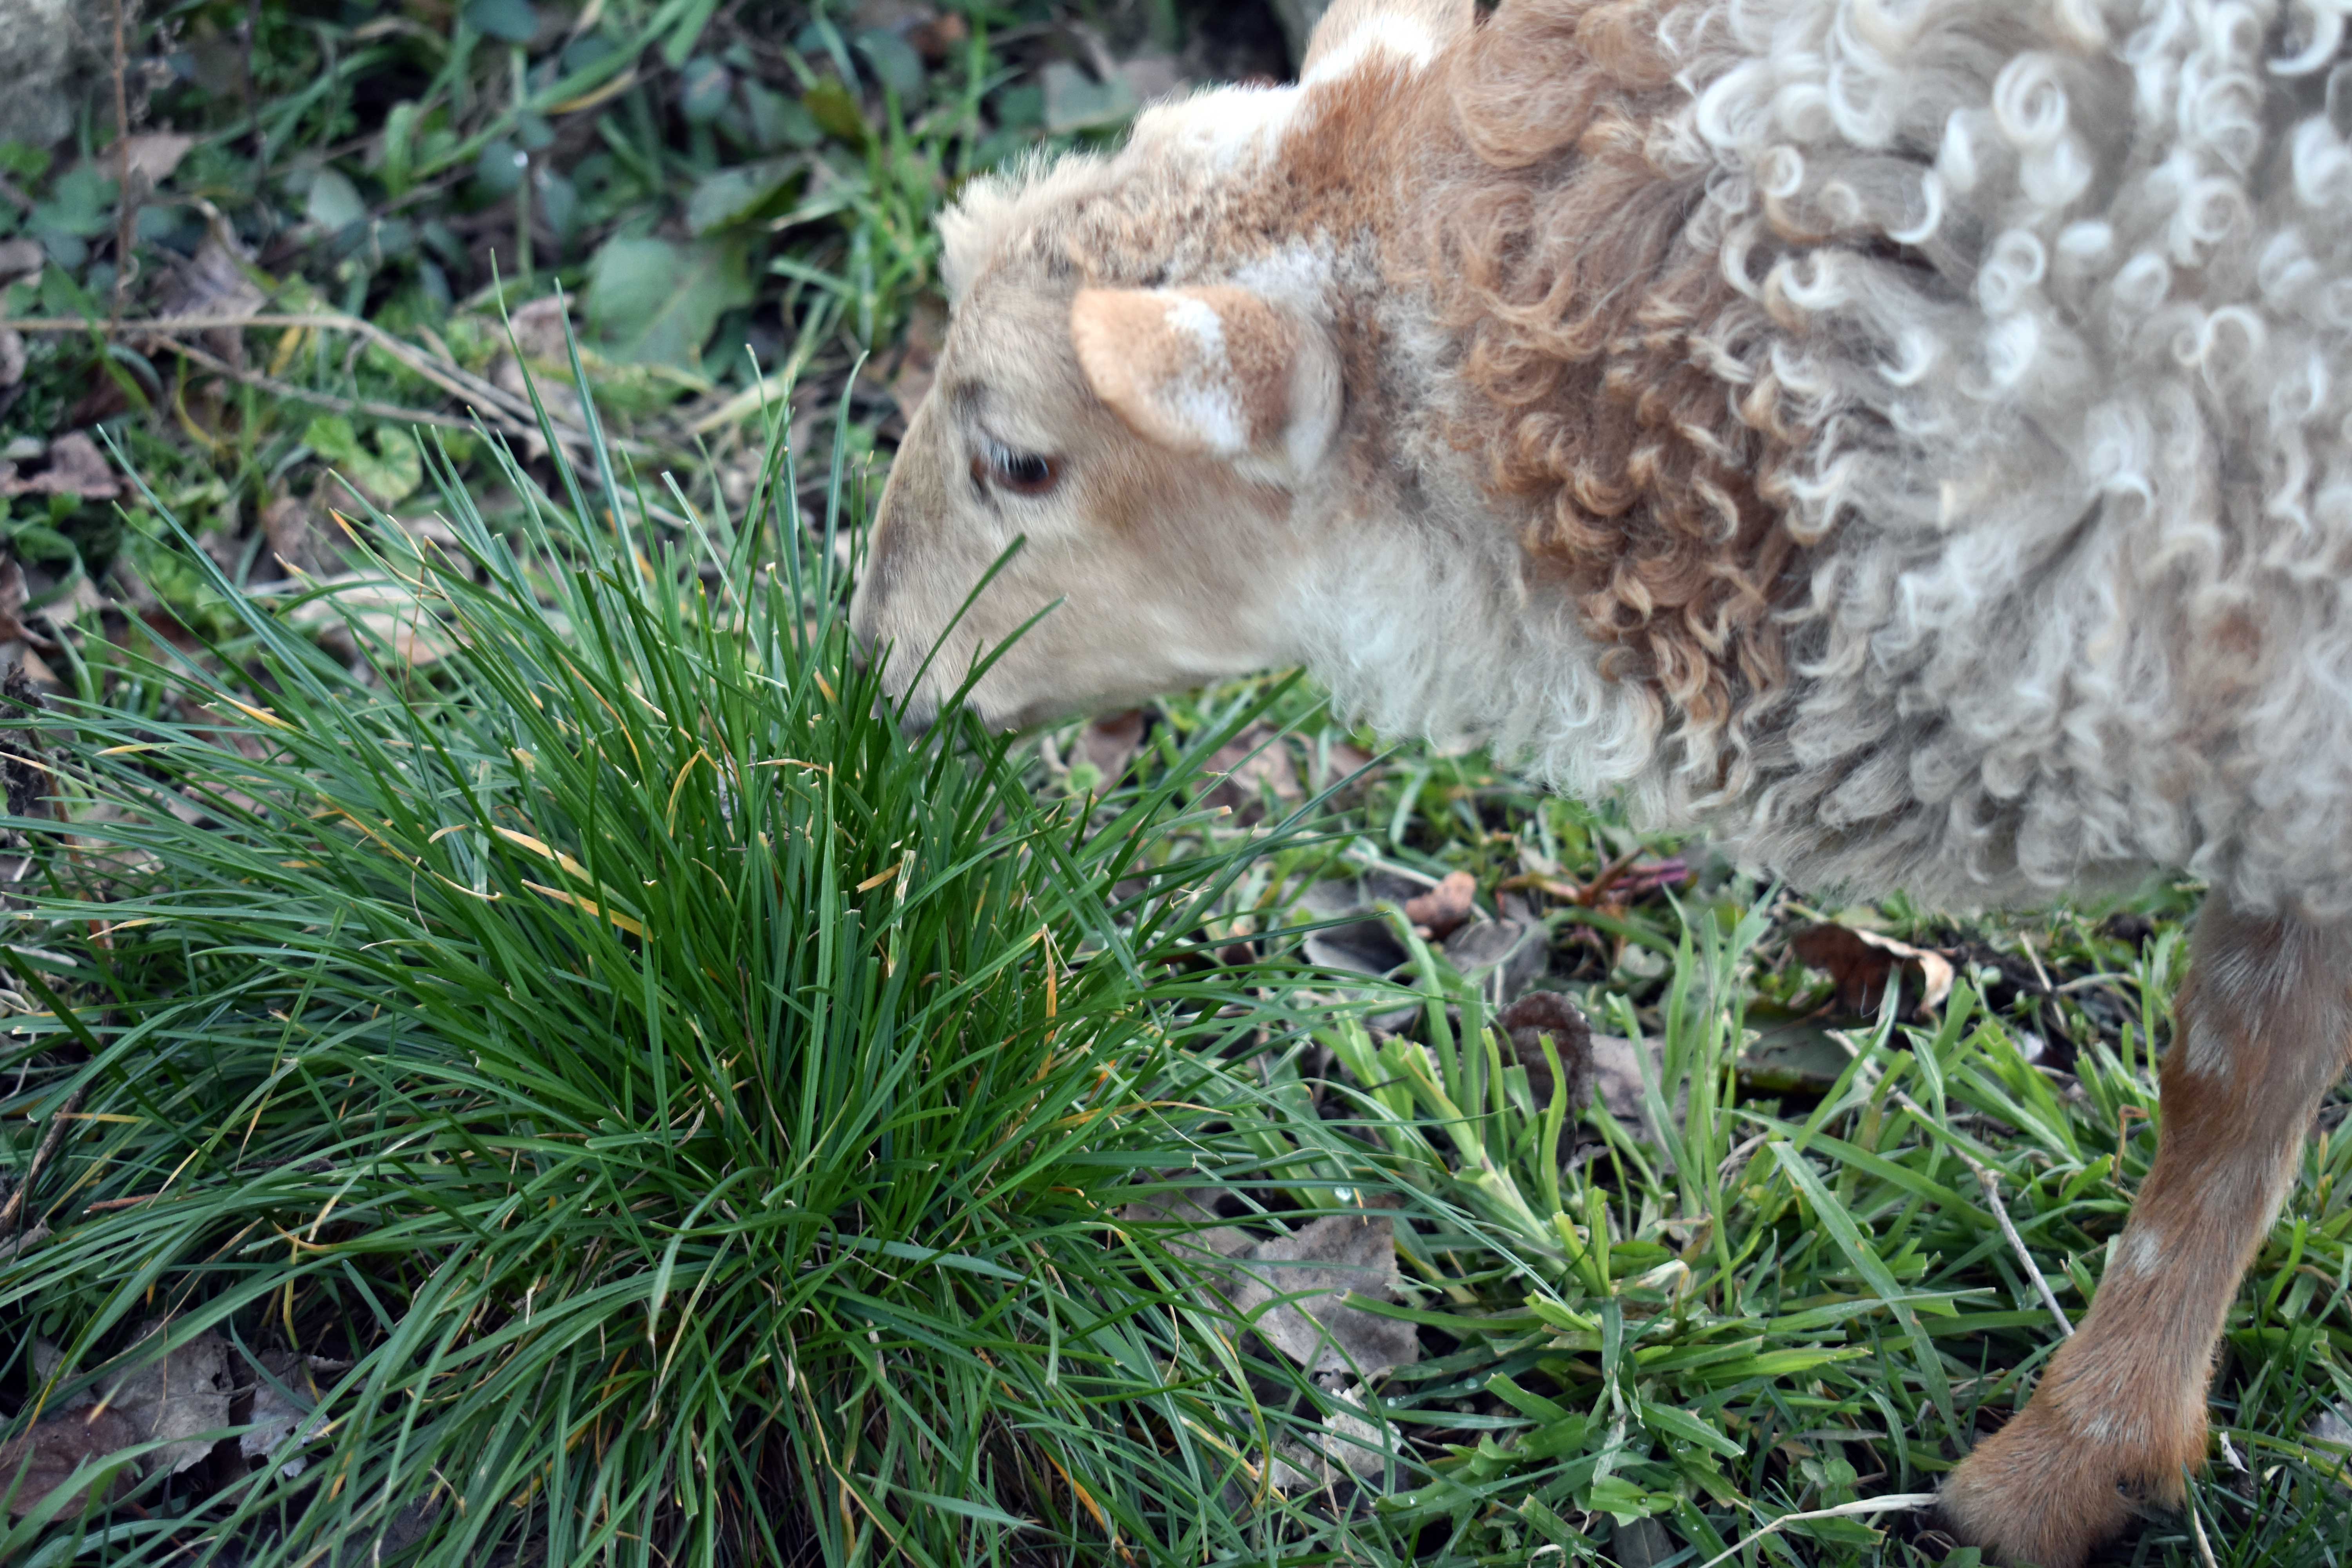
column 2266, row 1027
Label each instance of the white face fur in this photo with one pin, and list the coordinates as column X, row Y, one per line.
column 1146, row 447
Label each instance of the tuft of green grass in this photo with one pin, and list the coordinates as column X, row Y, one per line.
column 689, row 1122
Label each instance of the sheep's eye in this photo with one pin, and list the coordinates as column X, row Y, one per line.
column 1023, row 473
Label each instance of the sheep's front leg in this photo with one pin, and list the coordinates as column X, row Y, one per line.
column 2265, row 1022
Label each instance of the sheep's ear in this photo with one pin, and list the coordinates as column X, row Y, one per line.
column 1218, row 371
column 1352, row 30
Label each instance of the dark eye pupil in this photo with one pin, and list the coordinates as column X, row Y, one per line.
column 1025, row 473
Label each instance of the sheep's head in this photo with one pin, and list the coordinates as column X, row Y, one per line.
column 1144, row 446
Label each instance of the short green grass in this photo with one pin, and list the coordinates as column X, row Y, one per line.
column 720, row 1203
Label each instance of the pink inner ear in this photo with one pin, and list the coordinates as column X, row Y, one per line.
column 1194, row 370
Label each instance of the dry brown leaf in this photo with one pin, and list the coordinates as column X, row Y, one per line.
column 18, row 257
column 383, row 610
column 1861, row 962
column 932, row 32
column 12, row 606
column 76, row 469
column 172, row 1399
column 1437, row 912
column 1617, row 1079
column 152, row 155
column 1341, row 760
column 26, row 783
column 55, row 1449
column 1294, row 1288
column 1294, row 1285
column 1197, row 1207
column 1527, row 1021
column 1111, row 742
column 214, row 282
column 1361, row 1447
column 538, row 332
column 561, row 402
column 296, row 535
column 1255, row 763
column 1364, row 943
column 935, row 39
column 284, row 1399
column 1502, row 958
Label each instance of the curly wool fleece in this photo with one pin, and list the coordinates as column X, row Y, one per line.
column 1909, row 441
column 2044, row 315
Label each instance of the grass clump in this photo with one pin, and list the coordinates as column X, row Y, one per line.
column 687, row 1120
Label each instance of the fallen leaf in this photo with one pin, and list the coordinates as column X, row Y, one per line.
column 18, row 257
column 76, row 469
column 1436, row 913
column 1861, row 962
column 1525, row 1022
column 1294, row 1287
column 1503, row 957
column 172, row 1399
column 1255, row 766
column 934, row 39
column 296, row 536
column 2331, row 1426
column 54, row 1449
column 212, row 282
column 11, row 357
column 24, row 779
column 1363, row 946
column 561, row 402
column 152, row 156
column 1617, row 1067
column 1195, row 1208
column 216, row 281
column 1341, row 760
column 381, row 612
column 1360, row 1445
column 286, row 1397
column 1111, row 742
column 540, row 334
column 175, row 1397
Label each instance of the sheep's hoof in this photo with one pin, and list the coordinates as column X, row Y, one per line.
column 2039, row 1492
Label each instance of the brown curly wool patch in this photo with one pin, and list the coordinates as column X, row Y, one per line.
column 1561, row 248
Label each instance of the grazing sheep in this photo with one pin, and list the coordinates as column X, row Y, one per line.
column 1911, row 439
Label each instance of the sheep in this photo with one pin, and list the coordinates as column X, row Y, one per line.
column 1910, row 440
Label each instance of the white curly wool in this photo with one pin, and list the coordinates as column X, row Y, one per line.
column 2066, row 291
